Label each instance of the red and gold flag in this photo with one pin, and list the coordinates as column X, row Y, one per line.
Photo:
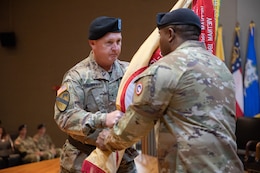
column 205, row 10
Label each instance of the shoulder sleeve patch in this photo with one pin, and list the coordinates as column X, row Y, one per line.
column 62, row 100
column 139, row 88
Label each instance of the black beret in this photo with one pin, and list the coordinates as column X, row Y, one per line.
column 102, row 25
column 181, row 16
column 21, row 127
column 40, row 126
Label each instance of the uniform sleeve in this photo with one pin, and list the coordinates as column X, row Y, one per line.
column 69, row 112
column 18, row 146
column 23, row 148
column 151, row 98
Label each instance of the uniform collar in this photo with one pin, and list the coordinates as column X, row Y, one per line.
column 191, row 43
column 100, row 73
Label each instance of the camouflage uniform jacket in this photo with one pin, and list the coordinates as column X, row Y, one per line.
column 43, row 142
column 92, row 94
column 189, row 97
column 26, row 145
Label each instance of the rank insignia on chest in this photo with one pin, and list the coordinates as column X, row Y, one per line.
column 62, row 99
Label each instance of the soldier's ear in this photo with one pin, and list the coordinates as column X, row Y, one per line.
column 171, row 33
column 92, row 43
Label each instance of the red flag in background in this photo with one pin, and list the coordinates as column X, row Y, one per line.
column 205, row 10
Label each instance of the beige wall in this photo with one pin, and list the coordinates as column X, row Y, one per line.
column 52, row 37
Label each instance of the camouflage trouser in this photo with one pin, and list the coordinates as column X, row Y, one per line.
column 29, row 158
column 46, row 155
column 127, row 167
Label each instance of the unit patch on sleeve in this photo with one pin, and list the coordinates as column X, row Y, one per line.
column 139, row 88
column 62, row 99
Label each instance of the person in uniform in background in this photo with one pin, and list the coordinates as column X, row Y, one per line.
column 6, row 147
column 87, row 96
column 27, row 147
column 44, row 142
column 5, row 140
column 189, row 97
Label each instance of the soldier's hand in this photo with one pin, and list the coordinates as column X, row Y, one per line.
column 113, row 117
column 101, row 139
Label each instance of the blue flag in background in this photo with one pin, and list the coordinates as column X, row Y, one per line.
column 251, row 84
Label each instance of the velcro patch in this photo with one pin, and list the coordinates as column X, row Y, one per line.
column 62, row 100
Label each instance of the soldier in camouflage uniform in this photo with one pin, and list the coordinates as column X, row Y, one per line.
column 189, row 97
column 28, row 149
column 88, row 94
column 44, row 142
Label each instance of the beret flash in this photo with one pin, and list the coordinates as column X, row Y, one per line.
column 181, row 16
column 102, row 25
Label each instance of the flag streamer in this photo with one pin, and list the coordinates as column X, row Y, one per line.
column 219, row 45
column 205, row 10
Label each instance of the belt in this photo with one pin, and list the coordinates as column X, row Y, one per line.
column 85, row 148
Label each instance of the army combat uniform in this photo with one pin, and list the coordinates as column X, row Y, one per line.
column 189, row 97
column 44, row 143
column 29, row 150
column 87, row 94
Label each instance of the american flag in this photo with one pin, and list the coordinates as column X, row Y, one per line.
column 236, row 70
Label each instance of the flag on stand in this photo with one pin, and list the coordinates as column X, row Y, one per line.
column 205, row 10
column 251, row 84
column 236, row 69
column 219, row 45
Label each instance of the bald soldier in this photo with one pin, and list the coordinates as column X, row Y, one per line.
column 189, row 97
column 88, row 95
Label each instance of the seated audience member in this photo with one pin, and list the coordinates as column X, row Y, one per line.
column 27, row 147
column 8, row 156
column 6, row 143
column 6, row 147
column 44, row 142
